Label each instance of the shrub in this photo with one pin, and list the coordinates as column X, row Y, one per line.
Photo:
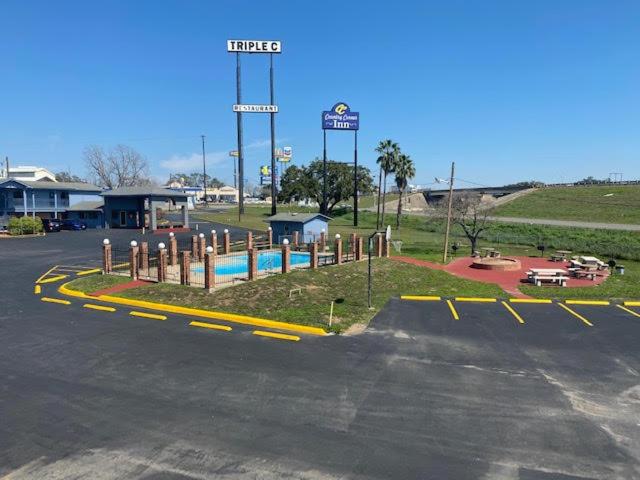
column 25, row 225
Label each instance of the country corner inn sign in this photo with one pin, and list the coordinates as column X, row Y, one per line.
column 254, row 46
column 340, row 117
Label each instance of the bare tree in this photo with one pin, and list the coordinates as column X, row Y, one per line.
column 470, row 213
column 122, row 166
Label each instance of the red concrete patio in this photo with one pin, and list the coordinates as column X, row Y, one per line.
column 507, row 280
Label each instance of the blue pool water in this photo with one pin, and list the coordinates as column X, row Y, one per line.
column 238, row 264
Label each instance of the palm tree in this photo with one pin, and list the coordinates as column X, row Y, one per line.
column 389, row 152
column 404, row 171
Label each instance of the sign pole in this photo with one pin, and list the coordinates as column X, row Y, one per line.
column 273, row 141
column 324, row 173
column 240, row 152
column 355, row 179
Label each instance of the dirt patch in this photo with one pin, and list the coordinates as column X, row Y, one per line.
column 355, row 329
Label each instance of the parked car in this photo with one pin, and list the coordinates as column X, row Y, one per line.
column 74, row 225
column 51, row 224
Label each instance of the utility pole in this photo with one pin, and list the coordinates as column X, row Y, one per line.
column 273, row 140
column 204, row 172
column 446, row 233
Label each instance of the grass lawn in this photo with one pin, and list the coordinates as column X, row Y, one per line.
column 608, row 204
column 269, row 297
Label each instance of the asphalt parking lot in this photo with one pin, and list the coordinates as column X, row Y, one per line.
column 103, row 394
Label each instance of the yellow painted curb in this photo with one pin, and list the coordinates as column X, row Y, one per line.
column 453, row 310
column 530, row 300
column 513, row 312
column 281, row 336
column 576, row 314
column 99, row 307
column 46, row 273
column 423, row 298
column 56, row 300
column 153, row 316
column 476, row 299
column 37, row 289
column 629, row 311
column 231, row 317
column 212, row 326
column 632, row 304
column 587, row 302
column 88, row 272
column 52, row 279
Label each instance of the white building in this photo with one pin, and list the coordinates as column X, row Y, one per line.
column 29, row 173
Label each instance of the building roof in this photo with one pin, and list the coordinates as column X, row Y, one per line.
column 295, row 217
column 86, row 206
column 47, row 185
column 143, row 192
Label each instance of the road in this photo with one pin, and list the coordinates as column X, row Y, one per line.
column 569, row 223
column 419, row 395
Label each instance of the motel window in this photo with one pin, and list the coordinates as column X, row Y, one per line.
column 81, row 215
column 64, row 195
column 17, row 194
column 93, row 215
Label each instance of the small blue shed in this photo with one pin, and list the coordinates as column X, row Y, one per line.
column 308, row 226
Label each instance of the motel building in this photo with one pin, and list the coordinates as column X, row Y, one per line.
column 49, row 199
column 137, row 207
column 127, row 207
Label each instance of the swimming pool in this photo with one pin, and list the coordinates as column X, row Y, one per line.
column 268, row 260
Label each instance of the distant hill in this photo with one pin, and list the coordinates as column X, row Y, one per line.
column 608, row 204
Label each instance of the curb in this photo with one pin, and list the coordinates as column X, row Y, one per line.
column 212, row 314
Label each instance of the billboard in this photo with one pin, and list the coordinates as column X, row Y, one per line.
column 340, row 117
column 254, row 46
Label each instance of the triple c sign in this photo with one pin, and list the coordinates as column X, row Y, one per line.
column 340, row 117
column 254, row 46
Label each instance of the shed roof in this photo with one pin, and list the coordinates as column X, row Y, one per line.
column 144, row 192
column 86, row 206
column 295, row 217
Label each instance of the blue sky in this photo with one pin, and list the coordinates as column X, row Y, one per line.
column 508, row 90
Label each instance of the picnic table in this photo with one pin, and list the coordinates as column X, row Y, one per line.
column 560, row 255
column 538, row 276
column 592, row 263
column 490, row 252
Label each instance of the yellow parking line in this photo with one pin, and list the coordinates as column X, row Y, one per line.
column 476, row 299
column 88, row 272
column 577, row 315
column 281, row 336
column 99, row 307
column 53, row 279
column 587, row 302
column 530, row 300
column 453, row 310
column 213, row 326
column 632, row 304
column 628, row 310
column 423, row 298
column 37, row 289
column 55, row 300
column 46, row 273
column 513, row 312
column 147, row 315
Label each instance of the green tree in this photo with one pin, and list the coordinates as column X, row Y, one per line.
column 299, row 183
column 389, row 151
column 294, row 185
column 404, row 171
